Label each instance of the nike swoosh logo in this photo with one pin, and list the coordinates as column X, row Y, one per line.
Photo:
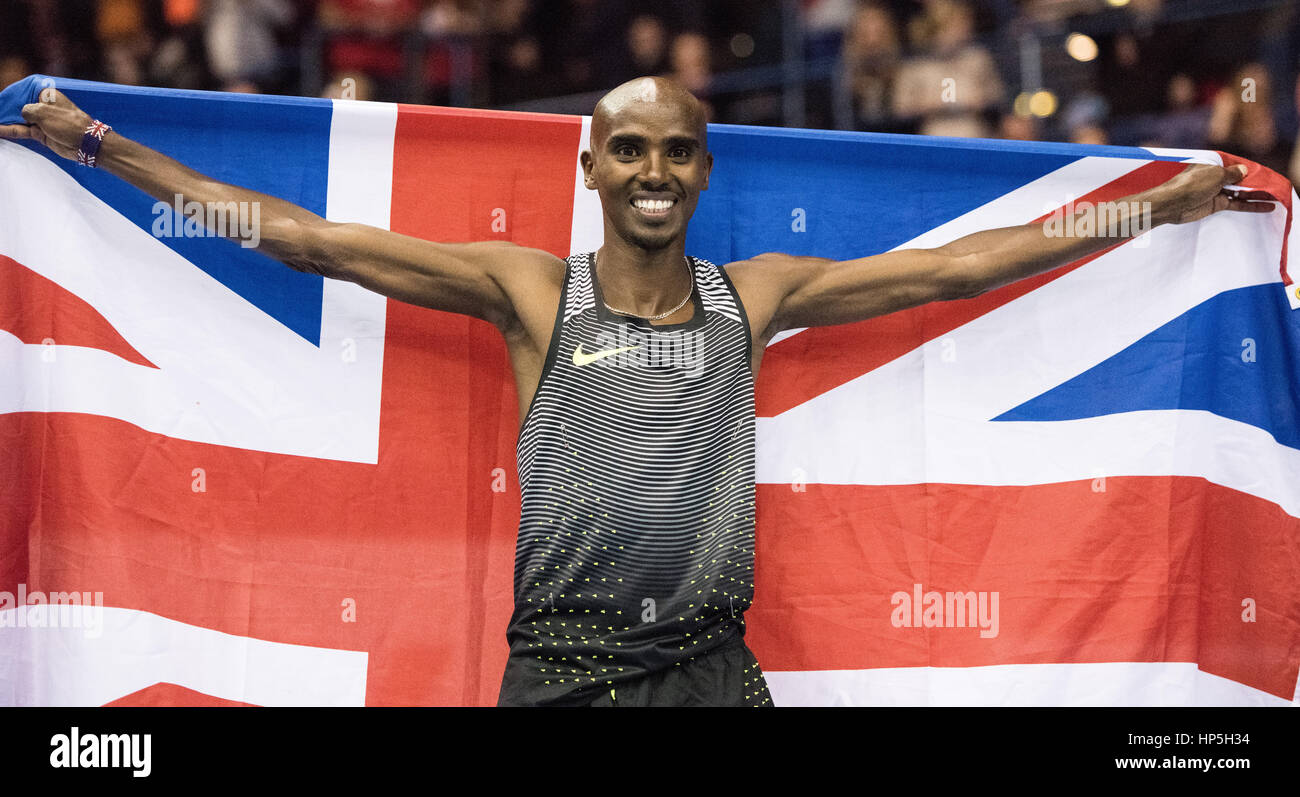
column 581, row 358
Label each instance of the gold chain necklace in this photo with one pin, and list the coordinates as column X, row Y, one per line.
column 690, row 271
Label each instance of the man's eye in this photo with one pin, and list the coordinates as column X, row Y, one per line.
column 626, row 151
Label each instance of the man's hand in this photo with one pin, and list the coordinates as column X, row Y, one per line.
column 1202, row 189
column 54, row 121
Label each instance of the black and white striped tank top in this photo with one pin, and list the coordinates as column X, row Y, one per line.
column 636, row 464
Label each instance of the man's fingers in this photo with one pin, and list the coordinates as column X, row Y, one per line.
column 15, row 131
column 1242, row 193
column 1250, row 207
column 1234, row 174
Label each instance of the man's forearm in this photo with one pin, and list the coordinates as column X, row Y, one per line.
column 994, row 258
column 281, row 225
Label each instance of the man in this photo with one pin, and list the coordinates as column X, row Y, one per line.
column 634, row 368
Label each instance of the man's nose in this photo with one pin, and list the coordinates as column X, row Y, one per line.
column 652, row 168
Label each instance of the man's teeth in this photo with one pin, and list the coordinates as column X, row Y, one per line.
column 653, row 205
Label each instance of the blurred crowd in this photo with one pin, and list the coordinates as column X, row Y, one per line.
column 1143, row 80
column 1137, row 72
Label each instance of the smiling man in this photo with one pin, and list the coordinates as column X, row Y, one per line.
column 634, row 368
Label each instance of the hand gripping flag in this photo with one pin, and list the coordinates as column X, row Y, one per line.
column 226, row 482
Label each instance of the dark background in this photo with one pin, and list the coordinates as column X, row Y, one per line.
column 1172, row 73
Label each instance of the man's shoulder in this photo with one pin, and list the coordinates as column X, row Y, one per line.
column 532, row 279
column 524, row 264
column 762, row 282
column 770, row 267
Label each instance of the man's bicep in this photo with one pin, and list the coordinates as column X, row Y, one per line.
column 825, row 292
column 457, row 278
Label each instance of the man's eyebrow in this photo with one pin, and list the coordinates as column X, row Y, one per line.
column 619, row 139
column 683, row 141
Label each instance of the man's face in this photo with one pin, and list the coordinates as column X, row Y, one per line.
column 648, row 163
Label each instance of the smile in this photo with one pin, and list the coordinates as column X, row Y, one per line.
column 654, row 207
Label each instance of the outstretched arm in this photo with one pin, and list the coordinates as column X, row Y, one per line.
column 462, row 278
column 804, row 291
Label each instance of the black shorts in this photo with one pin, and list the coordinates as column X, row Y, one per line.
column 729, row 676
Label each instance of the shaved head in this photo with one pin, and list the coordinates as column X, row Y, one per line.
column 649, row 91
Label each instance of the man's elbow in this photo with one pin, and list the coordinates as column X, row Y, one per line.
column 961, row 278
column 307, row 246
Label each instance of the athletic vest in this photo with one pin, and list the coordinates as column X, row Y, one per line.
column 636, row 467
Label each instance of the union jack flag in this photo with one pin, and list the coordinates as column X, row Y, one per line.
column 290, row 490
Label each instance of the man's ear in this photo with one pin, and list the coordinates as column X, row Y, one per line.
column 587, row 164
column 708, row 169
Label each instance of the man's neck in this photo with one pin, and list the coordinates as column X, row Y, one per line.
column 645, row 282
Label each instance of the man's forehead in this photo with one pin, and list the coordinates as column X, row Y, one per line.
column 647, row 108
column 649, row 125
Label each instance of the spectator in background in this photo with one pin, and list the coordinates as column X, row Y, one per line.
column 120, row 26
column 180, row 60
column 949, row 87
column 691, row 63
column 461, row 20
column 1241, row 121
column 1015, row 127
column 366, row 39
column 1135, row 66
column 518, row 74
column 514, row 55
column 692, row 67
column 458, row 17
column 517, row 63
column 1089, row 134
column 181, row 12
column 647, row 47
column 1084, row 117
column 824, row 16
column 240, row 39
column 652, row 49
column 825, row 23
column 510, row 16
column 583, row 41
column 1184, row 123
column 871, row 55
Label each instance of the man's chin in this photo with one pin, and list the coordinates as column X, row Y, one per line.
column 650, row 243
column 652, row 238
